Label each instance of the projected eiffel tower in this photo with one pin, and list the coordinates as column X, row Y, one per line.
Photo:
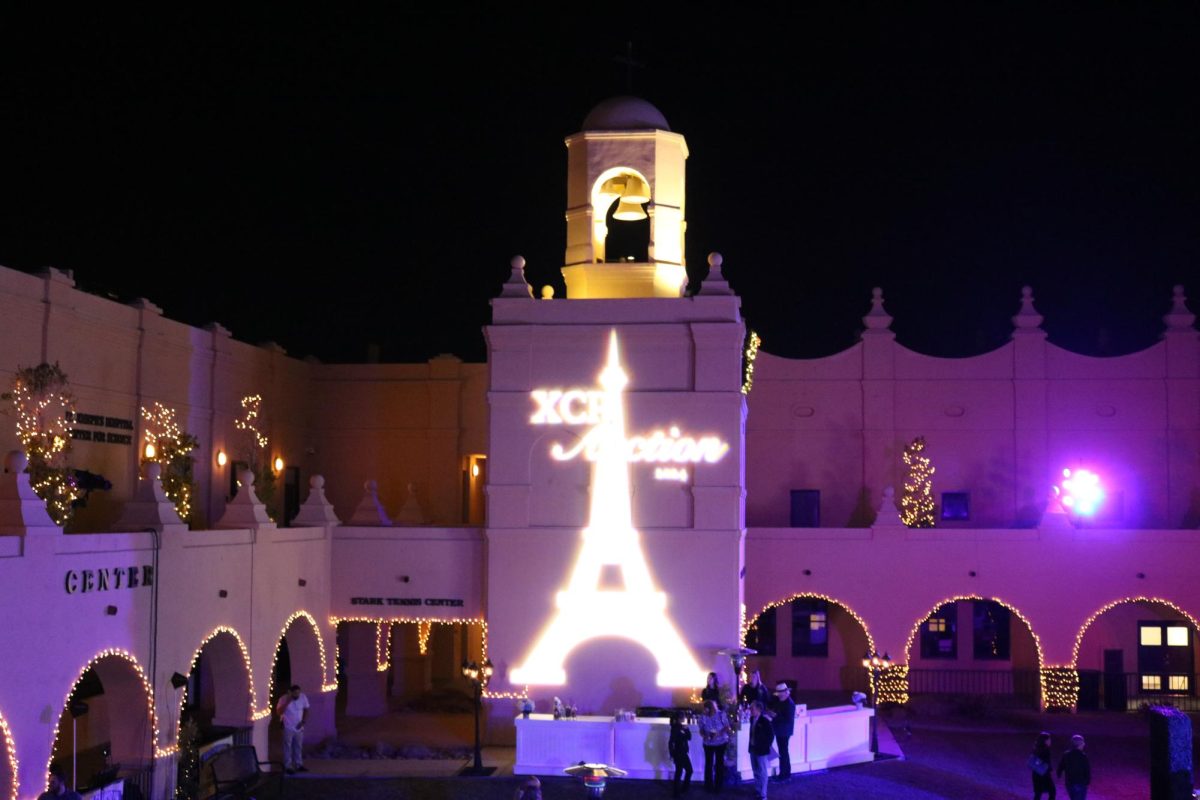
column 637, row 612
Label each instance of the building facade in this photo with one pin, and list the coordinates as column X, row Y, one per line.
column 601, row 509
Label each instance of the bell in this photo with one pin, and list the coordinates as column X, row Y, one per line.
column 629, row 212
column 612, row 186
column 636, row 190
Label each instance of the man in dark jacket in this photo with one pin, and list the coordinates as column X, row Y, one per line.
column 1078, row 771
column 783, row 710
column 761, row 736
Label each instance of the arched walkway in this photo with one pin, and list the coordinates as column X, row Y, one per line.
column 813, row 640
column 107, row 725
column 974, row 647
column 1137, row 651
column 8, row 762
column 299, row 660
column 219, row 697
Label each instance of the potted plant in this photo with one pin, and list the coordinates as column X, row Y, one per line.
column 526, row 707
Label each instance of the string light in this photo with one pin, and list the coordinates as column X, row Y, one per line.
column 251, row 404
column 214, row 633
column 916, row 504
column 424, row 629
column 751, row 356
column 383, row 646
column 1037, row 641
column 169, row 445
column 298, row 615
column 806, row 596
column 10, row 748
column 1060, row 687
column 45, row 409
column 111, row 652
column 1114, row 604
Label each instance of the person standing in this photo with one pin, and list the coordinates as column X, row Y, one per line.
column 714, row 734
column 783, row 721
column 754, row 690
column 678, row 746
column 1039, row 768
column 711, row 691
column 761, row 737
column 57, row 787
column 292, row 710
column 1078, row 771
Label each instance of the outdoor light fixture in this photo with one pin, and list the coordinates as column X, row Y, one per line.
column 178, row 680
column 876, row 665
column 222, row 459
column 279, row 463
column 150, row 451
column 594, row 776
column 478, row 675
column 475, row 470
column 1081, row 491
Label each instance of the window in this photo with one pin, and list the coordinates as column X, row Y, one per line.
column 956, row 506
column 1165, row 660
column 806, row 508
column 991, row 631
column 810, row 628
column 938, row 633
column 761, row 635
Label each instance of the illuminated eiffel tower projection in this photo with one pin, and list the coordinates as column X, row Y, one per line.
column 637, row 612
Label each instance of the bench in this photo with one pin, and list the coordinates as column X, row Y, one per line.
column 236, row 772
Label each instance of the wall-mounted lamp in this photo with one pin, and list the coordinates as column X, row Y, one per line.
column 278, row 464
column 222, row 459
column 150, row 451
column 178, row 681
column 475, row 470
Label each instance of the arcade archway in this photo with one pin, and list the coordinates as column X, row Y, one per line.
column 975, row 647
column 813, row 640
column 1136, row 652
column 106, row 728
column 299, row 660
column 219, row 698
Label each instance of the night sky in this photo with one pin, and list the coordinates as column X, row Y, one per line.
column 327, row 182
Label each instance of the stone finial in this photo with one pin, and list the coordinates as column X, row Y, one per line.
column 245, row 510
column 317, row 511
column 370, row 513
column 142, row 304
column 1179, row 318
column 547, row 292
column 516, row 285
column 21, row 510
column 877, row 319
column 149, row 507
column 888, row 515
column 1027, row 320
column 411, row 513
column 715, row 282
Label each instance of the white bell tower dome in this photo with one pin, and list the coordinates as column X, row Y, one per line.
column 626, row 159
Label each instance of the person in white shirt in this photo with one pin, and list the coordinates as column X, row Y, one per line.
column 292, row 710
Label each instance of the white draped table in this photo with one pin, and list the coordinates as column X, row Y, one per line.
column 824, row 737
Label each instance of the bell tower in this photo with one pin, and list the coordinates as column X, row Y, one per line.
column 625, row 157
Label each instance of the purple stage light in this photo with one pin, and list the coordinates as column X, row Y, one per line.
column 1081, row 491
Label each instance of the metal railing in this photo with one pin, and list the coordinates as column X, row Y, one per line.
column 1127, row 692
column 1012, row 688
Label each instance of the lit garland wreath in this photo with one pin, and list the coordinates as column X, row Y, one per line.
column 45, row 409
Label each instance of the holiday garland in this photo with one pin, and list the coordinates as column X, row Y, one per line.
column 171, row 446
column 45, row 408
column 254, row 451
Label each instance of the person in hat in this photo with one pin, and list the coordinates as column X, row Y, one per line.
column 783, row 720
column 1078, row 771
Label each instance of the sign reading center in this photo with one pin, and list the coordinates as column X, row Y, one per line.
column 586, row 407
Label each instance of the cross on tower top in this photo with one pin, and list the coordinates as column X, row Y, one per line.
column 630, row 64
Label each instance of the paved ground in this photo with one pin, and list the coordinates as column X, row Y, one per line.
column 945, row 756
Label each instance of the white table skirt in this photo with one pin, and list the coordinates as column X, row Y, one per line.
column 824, row 737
